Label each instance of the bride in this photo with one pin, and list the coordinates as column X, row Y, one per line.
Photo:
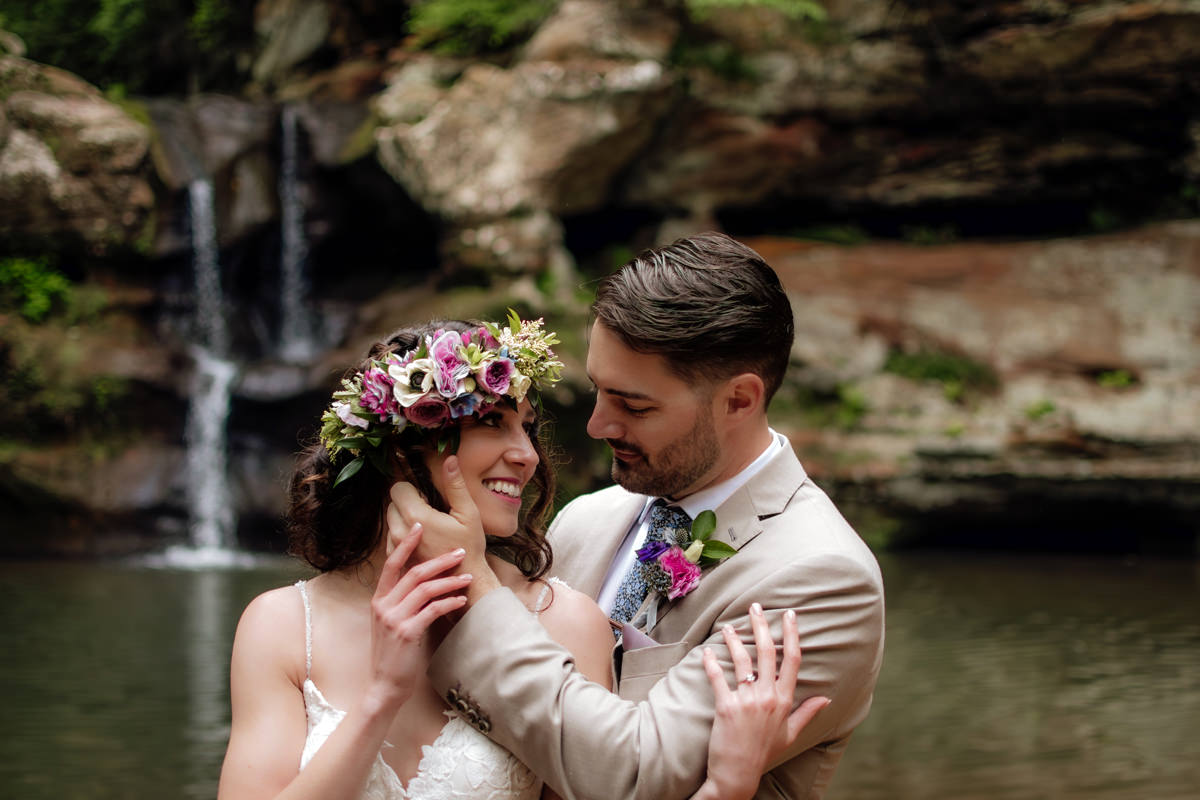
column 328, row 688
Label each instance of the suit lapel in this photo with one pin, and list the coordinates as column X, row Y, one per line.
column 594, row 552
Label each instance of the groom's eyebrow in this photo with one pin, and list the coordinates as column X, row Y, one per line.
column 628, row 395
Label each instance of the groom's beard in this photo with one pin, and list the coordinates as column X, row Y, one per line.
column 673, row 469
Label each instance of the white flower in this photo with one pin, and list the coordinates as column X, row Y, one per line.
column 518, row 385
column 420, row 371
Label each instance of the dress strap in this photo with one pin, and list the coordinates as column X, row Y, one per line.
column 307, row 628
column 538, row 606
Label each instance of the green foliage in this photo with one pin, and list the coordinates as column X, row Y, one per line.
column 148, row 46
column 1042, row 408
column 957, row 374
column 926, row 235
column 1103, row 220
column 851, row 407
column 209, row 23
column 848, row 234
column 793, row 9
column 842, row 408
column 1116, row 379
column 46, row 389
column 719, row 57
column 465, row 27
column 32, row 287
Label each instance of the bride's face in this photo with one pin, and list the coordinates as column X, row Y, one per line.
column 497, row 458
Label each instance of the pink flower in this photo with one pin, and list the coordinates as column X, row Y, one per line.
column 347, row 415
column 377, row 396
column 684, row 574
column 448, row 367
column 489, row 342
column 495, row 375
column 428, row 412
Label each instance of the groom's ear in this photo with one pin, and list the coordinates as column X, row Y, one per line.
column 742, row 397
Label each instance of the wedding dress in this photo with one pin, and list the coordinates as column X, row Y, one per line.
column 461, row 764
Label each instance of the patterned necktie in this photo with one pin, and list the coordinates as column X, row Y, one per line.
column 664, row 520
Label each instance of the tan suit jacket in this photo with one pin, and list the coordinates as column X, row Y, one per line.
column 651, row 739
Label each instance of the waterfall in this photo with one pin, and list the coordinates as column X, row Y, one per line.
column 210, row 312
column 296, row 324
column 210, row 504
column 211, row 519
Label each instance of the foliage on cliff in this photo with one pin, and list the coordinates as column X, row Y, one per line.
column 148, row 46
column 47, row 389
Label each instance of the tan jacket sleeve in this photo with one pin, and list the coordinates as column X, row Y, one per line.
column 588, row 743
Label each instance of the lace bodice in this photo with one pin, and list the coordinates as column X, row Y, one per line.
column 461, row 764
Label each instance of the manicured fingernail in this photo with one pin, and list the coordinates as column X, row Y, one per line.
column 755, row 608
column 466, row 577
column 452, row 465
column 417, row 528
column 459, row 552
column 827, row 702
column 727, row 629
column 790, row 614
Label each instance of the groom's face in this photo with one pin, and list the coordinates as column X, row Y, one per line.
column 659, row 426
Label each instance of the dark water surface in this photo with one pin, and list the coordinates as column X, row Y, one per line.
column 1027, row 676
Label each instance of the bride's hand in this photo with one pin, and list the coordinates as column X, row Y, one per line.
column 754, row 722
column 460, row 528
column 404, row 606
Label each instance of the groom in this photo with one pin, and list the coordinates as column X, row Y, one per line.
column 688, row 344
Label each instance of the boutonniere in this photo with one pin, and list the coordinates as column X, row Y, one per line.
column 673, row 567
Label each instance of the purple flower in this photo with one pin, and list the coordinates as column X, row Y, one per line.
column 428, row 412
column 377, row 394
column 652, row 551
column 448, row 367
column 495, row 375
column 684, row 574
column 464, row 405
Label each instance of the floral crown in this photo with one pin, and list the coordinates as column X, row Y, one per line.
column 446, row 377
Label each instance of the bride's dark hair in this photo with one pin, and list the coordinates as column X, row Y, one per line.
column 333, row 527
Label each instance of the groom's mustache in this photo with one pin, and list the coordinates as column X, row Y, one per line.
column 625, row 447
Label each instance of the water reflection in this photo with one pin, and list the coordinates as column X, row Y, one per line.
column 1033, row 676
column 1005, row 677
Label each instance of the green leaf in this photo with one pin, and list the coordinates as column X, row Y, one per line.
column 352, row 443
column 448, row 441
column 377, row 460
column 704, row 524
column 718, row 550
column 350, row 470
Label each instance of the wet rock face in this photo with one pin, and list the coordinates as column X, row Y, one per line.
column 984, row 379
column 72, row 164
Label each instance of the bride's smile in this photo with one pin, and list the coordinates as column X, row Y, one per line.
column 497, row 459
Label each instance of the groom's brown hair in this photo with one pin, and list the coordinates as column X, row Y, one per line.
column 709, row 305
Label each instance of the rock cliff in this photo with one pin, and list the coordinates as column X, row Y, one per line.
column 1004, row 334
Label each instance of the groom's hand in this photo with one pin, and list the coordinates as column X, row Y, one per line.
column 461, row 527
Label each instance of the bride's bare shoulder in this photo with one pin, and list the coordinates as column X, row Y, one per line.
column 575, row 621
column 271, row 629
